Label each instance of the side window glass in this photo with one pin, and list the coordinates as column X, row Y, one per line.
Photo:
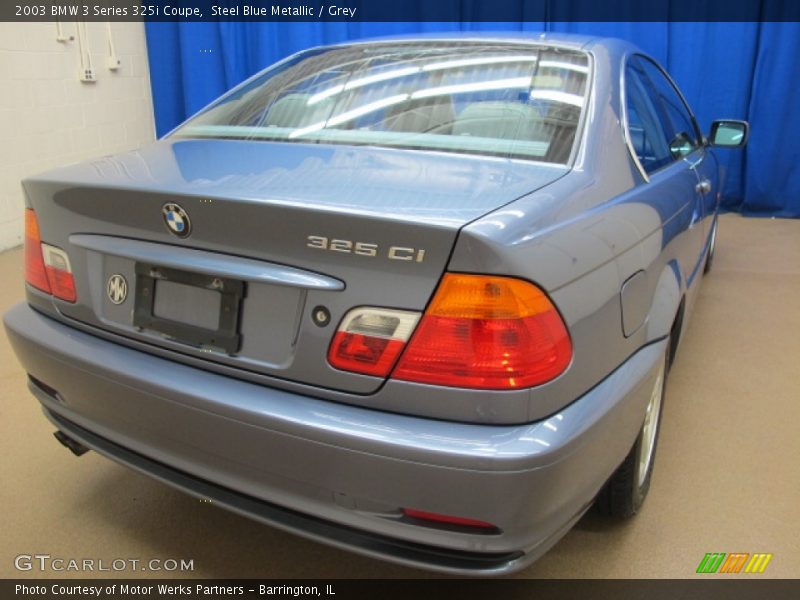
column 645, row 128
column 675, row 115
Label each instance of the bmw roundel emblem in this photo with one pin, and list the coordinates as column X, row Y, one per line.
column 117, row 288
column 176, row 219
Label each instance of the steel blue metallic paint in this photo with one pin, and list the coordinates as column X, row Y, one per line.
column 528, row 479
column 327, row 452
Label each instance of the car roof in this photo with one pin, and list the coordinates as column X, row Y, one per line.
column 570, row 41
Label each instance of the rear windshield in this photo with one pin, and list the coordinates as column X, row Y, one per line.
column 511, row 100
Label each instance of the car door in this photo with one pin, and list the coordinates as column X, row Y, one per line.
column 669, row 153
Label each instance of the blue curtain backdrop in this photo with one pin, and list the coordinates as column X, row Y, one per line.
column 747, row 70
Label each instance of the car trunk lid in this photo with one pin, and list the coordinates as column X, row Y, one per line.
column 303, row 227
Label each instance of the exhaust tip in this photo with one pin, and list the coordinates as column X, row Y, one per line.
column 72, row 445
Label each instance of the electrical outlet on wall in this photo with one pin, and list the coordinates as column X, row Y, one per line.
column 87, row 75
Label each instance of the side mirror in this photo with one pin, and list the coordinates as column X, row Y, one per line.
column 729, row 133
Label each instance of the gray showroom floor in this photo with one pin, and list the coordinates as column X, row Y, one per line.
column 727, row 476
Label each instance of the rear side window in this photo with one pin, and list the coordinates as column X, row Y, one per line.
column 660, row 125
column 676, row 117
column 501, row 99
column 645, row 129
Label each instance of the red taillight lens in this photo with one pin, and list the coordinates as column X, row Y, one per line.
column 447, row 519
column 487, row 332
column 47, row 268
column 369, row 340
column 59, row 273
column 35, row 272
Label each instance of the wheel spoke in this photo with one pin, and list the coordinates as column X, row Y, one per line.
column 650, row 427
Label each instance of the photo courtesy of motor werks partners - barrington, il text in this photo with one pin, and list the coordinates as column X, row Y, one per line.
column 163, row 589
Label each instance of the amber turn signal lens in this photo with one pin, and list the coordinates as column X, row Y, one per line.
column 485, row 297
column 35, row 271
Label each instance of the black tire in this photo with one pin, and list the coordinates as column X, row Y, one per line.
column 711, row 248
column 623, row 494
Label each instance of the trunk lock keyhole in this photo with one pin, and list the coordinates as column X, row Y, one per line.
column 321, row 316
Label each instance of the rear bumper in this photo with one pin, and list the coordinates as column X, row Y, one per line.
column 333, row 472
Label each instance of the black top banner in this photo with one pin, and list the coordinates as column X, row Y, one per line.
column 400, row 10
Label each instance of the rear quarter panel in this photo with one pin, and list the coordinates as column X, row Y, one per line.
column 582, row 237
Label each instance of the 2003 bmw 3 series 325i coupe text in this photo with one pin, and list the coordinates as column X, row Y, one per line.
column 416, row 298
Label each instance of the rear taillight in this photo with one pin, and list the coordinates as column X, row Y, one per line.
column 59, row 273
column 35, row 272
column 47, row 268
column 370, row 339
column 487, row 332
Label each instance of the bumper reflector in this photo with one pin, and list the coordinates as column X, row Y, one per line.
column 447, row 519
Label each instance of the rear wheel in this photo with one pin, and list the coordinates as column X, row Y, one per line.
column 625, row 491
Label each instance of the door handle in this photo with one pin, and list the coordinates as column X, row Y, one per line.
column 704, row 186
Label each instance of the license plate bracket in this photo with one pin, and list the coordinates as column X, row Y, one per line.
column 224, row 335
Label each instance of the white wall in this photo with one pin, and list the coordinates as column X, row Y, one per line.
column 48, row 118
